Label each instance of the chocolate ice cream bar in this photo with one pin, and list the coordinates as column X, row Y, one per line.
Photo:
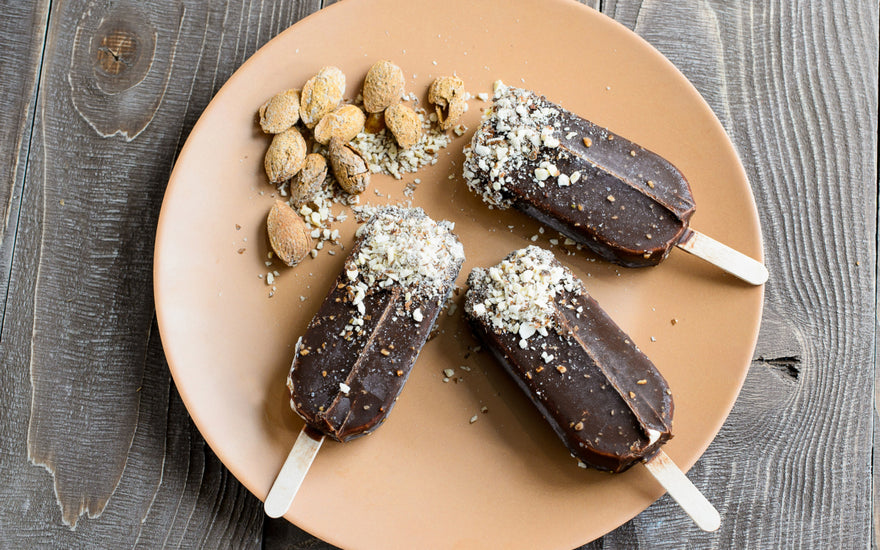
column 357, row 352
column 602, row 396
column 624, row 202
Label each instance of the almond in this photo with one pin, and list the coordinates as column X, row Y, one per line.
column 306, row 184
column 321, row 95
column 288, row 234
column 405, row 124
column 345, row 123
column 383, row 86
column 375, row 123
column 280, row 112
column 448, row 97
column 285, row 156
column 349, row 167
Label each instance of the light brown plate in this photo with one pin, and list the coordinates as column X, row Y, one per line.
column 428, row 478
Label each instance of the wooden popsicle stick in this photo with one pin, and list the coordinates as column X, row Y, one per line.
column 736, row 263
column 291, row 476
column 683, row 491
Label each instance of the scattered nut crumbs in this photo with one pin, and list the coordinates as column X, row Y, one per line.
column 384, row 155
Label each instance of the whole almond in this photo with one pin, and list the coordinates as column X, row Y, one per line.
column 285, row 156
column 306, row 184
column 405, row 124
column 345, row 123
column 280, row 112
column 448, row 96
column 321, row 95
column 383, row 86
column 289, row 235
column 349, row 167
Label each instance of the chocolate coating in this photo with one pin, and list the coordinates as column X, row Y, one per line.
column 600, row 394
column 344, row 382
column 630, row 206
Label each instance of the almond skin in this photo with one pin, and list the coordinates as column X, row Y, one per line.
column 320, row 95
column 306, row 184
column 344, row 123
column 349, row 167
column 280, row 112
column 285, row 156
column 447, row 95
column 288, row 234
column 383, row 86
column 405, row 124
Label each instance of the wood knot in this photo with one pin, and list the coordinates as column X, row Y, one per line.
column 122, row 51
column 121, row 63
column 117, row 51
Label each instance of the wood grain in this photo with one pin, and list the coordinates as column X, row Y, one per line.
column 790, row 82
column 22, row 32
column 86, row 392
column 97, row 449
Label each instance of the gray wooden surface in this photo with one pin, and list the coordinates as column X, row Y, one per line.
column 96, row 449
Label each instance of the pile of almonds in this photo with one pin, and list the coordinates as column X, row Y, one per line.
column 317, row 114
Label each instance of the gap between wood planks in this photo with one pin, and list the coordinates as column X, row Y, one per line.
column 26, row 141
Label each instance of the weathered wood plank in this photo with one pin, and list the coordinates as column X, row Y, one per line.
column 22, row 30
column 85, row 389
column 789, row 81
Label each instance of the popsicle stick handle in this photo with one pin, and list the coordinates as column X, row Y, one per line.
column 736, row 263
column 291, row 476
column 683, row 491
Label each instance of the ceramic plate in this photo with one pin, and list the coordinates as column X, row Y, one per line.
column 429, row 478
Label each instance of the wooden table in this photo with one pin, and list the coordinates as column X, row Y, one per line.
column 97, row 448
